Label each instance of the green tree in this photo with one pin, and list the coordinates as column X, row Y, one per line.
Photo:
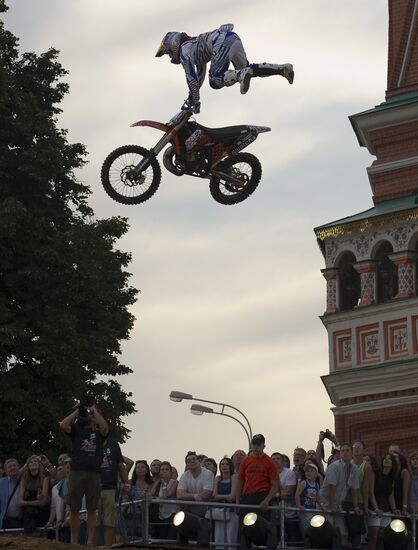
column 64, row 288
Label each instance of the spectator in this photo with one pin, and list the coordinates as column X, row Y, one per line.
column 87, row 429
column 307, row 495
column 394, row 448
column 286, row 460
column 174, row 473
column 33, row 495
column 413, row 487
column 11, row 516
column 226, row 531
column 62, row 458
column 57, row 510
column 237, row 458
column 210, row 464
column 166, row 488
column 141, row 485
column 287, row 489
column 155, row 469
column 299, row 457
column 340, row 477
column 195, row 484
column 257, row 481
column 355, row 524
column 2, row 472
column 112, row 467
column 382, row 497
column 402, row 481
column 56, row 505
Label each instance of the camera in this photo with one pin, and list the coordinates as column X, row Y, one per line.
column 87, row 401
column 326, row 434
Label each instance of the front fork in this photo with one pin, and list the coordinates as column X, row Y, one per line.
column 153, row 152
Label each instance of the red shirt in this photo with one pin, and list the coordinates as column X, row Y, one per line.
column 257, row 473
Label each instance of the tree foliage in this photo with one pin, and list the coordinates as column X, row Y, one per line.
column 64, row 288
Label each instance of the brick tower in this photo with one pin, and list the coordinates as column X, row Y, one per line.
column 371, row 266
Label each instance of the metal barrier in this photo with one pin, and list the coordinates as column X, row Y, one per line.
column 278, row 517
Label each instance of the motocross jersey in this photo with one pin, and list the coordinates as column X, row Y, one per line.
column 197, row 52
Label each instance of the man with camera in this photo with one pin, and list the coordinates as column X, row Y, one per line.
column 88, row 430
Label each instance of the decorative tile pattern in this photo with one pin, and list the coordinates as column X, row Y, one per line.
column 400, row 235
column 331, row 294
column 368, row 346
column 331, row 251
column 396, row 338
column 362, row 244
column 368, row 283
column 406, row 278
column 342, row 349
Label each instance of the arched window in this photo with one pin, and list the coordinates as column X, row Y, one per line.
column 348, row 282
column 387, row 274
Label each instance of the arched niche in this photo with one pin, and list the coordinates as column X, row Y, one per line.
column 349, row 285
column 386, row 273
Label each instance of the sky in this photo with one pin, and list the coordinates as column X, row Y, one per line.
column 230, row 295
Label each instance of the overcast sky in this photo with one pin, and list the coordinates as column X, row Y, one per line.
column 230, row 295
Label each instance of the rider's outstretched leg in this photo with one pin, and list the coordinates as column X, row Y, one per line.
column 270, row 69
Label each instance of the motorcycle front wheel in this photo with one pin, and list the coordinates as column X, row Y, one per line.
column 242, row 175
column 121, row 182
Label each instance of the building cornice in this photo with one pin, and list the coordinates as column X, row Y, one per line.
column 393, row 306
column 390, row 113
column 373, row 384
column 374, row 405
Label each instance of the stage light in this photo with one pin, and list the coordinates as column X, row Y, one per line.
column 190, row 526
column 257, row 530
column 395, row 535
column 320, row 533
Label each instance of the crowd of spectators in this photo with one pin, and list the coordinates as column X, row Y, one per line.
column 106, row 489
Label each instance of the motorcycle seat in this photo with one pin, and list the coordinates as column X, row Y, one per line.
column 224, row 134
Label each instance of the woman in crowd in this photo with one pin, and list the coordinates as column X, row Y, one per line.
column 381, row 497
column 224, row 490
column 141, row 485
column 33, row 496
column 166, row 488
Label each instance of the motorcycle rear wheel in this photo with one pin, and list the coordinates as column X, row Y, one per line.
column 124, row 187
column 244, row 167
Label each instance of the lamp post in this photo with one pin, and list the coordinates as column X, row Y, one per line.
column 178, row 396
column 201, row 409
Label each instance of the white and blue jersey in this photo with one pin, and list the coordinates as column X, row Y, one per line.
column 219, row 47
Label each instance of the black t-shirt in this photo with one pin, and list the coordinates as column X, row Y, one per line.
column 112, row 457
column 87, row 448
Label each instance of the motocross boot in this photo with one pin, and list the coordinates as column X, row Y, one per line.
column 243, row 76
column 270, row 69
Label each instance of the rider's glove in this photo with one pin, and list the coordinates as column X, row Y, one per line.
column 195, row 107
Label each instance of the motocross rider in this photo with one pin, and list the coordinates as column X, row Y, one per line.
column 219, row 47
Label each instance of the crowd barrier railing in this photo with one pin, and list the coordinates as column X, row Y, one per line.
column 141, row 516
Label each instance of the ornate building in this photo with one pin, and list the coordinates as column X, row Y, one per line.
column 371, row 263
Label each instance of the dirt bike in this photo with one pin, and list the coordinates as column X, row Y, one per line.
column 131, row 174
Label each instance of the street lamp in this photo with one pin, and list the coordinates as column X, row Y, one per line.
column 178, row 396
column 200, row 409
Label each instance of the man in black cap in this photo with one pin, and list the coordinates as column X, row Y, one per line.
column 258, row 477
